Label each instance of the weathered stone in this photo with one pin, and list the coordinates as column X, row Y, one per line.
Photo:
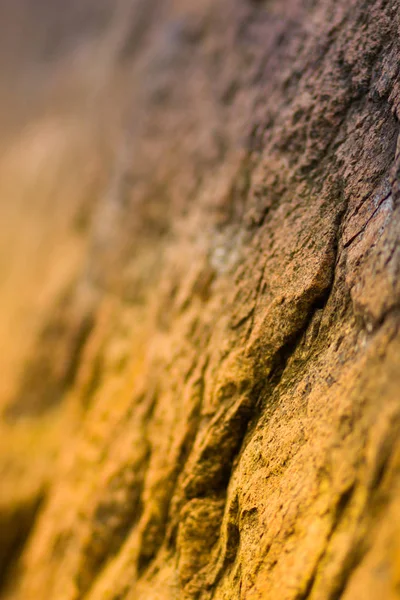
column 212, row 384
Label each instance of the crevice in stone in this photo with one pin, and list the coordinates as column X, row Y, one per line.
column 16, row 524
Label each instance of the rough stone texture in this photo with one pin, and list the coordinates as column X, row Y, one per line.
column 208, row 403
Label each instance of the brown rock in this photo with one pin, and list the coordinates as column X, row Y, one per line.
column 204, row 404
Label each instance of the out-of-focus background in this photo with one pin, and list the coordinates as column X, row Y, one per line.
column 60, row 119
column 75, row 85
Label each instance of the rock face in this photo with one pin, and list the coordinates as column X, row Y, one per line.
column 205, row 402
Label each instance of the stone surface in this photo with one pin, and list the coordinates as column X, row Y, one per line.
column 206, row 402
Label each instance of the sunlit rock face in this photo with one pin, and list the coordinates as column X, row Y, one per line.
column 199, row 300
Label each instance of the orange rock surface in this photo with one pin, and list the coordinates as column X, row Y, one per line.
column 200, row 292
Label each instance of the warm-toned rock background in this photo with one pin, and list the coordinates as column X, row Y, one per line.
column 200, row 300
